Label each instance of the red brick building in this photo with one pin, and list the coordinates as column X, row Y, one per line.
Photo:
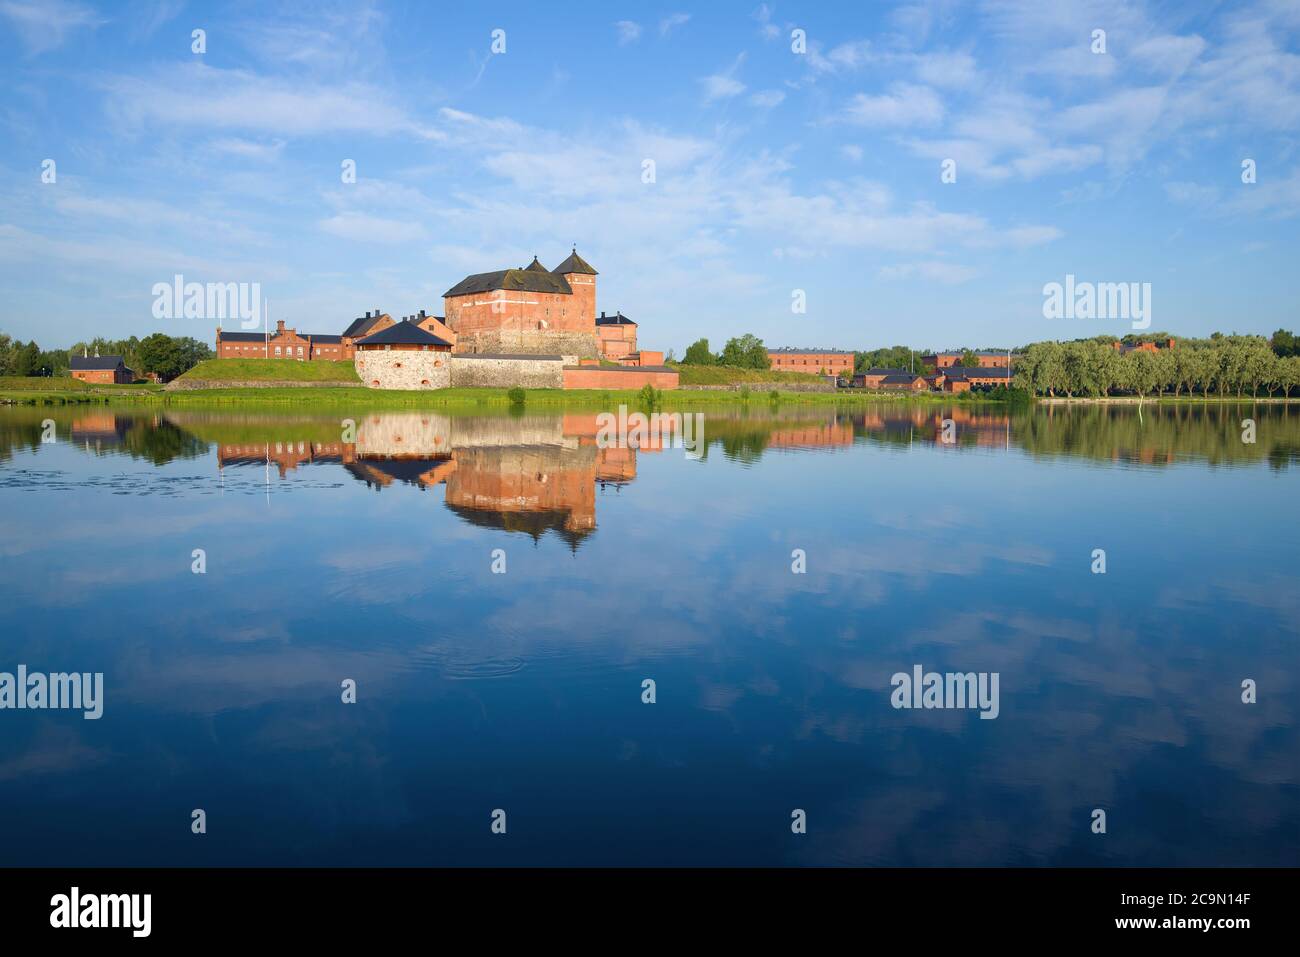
column 532, row 310
column 100, row 369
column 985, row 360
column 816, row 361
column 889, row 378
column 1123, row 348
column 615, row 336
column 282, row 344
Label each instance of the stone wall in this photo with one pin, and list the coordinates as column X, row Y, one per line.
column 403, row 369
column 538, row 342
column 496, row 371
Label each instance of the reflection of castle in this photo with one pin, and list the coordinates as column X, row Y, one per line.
column 529, row 474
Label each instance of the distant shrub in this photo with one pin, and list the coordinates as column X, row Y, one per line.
column 517, row 396
column 648, row 398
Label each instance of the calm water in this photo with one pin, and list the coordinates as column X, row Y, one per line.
column 372, row 560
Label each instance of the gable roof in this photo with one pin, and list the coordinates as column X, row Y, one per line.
column 405, row 334
column 359, row 327
column 96, row 362
column 241, row 336
column 324, row 338
column 618, row 319
column 525, row 280
column 885, row 372
column 574, row 263
column 903, row 378
column 535, row 266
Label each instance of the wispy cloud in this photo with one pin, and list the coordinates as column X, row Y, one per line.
column 724, row 85
column 629, row 31
column 905, row 104
column 45, row 24
column 671, row 22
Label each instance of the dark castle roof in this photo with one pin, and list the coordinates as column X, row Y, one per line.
column 526, row 280
column 405, row 334
column 96, row 362
column 535, row 266
column 618, row 319
column 574, row 263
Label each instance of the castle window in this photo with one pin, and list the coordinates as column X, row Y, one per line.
column 277, row 350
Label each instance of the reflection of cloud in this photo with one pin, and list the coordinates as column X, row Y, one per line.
column 56, row 749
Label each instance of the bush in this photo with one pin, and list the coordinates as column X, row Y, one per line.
column 774, row 396
column 648, row 398
column 517, row 396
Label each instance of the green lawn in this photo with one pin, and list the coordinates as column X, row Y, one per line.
column 271, row 370
column 18, row 383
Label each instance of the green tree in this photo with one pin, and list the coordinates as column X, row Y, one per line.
column 745, row 352
column 698, row 354
column 160, row 353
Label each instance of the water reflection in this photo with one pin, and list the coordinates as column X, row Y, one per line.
column 369, row 558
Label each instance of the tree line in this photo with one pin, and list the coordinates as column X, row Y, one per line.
column 169, row 356
column 1225, row 365
column 742, row 352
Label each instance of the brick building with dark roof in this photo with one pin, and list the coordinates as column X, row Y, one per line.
column 100, row 369
column 531, row 310
column 816, row 361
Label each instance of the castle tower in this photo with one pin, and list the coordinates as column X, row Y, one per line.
column 582, row 279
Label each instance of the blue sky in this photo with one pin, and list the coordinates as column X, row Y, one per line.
column 775, row 171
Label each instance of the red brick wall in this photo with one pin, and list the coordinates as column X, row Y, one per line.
column 99, row 376
column 835, row 363
column 634, row 378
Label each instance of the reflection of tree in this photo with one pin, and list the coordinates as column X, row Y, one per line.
column 160, row 442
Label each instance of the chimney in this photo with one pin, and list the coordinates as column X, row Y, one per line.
column 422, row 315
column 367, row 313
column 279, row 327
column 377, row 312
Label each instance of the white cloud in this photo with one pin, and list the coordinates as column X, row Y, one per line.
column 766, row 27
column 45, row 24
column 935, row 271
column 767, row 98
column 249, row 149
column 852, row 152
column 197, row 95
column 671, row 22
column 628, row 32
column 724, row 85
column 372, row 229
column 904, row 105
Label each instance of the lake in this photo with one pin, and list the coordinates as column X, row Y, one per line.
column 498, row 591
